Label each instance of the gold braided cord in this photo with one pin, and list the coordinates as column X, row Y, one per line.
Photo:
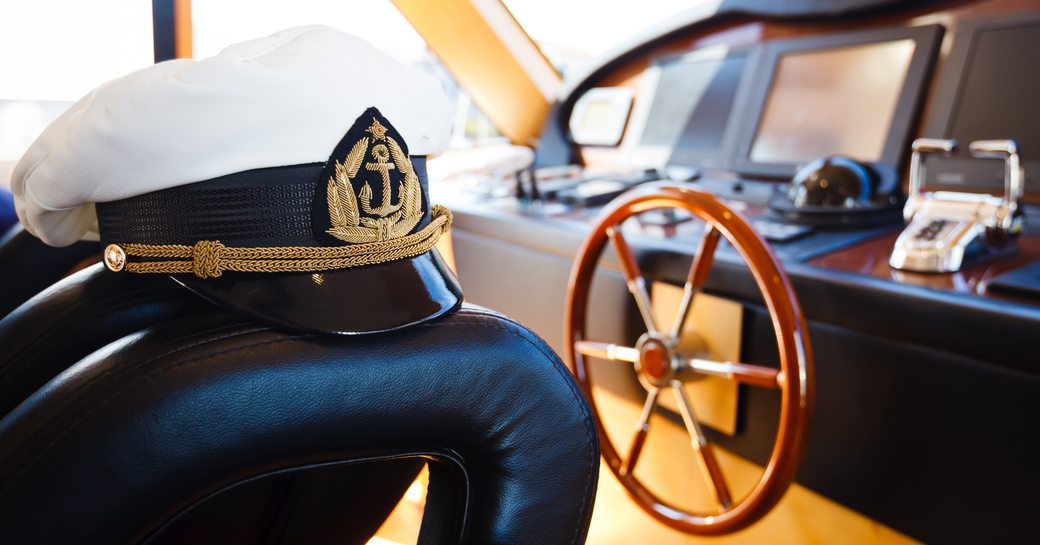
column 210, row 258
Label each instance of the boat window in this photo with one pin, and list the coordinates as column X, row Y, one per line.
column 573, row 33
column 219, row 23
column 48, row 62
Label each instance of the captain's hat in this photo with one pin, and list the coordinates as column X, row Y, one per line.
column 284, row 177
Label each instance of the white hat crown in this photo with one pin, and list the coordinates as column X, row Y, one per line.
column 282, row 100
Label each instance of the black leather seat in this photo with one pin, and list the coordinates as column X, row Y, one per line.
column 27, row 265
column 185, row 423
column 75, row 317
column 42, row 339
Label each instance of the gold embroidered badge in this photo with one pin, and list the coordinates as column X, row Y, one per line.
column 387, row 220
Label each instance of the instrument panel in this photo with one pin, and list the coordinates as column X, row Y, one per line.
column 807, row 128
column 819, row 120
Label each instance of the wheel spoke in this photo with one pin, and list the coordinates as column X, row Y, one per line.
column 709, row 465
column 607, row 351
column 754, row 375
column 698, row 275
column 633, row 277
column 642, row 428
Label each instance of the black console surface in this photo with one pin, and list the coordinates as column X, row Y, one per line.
column 1024, row 280
column 792, row 242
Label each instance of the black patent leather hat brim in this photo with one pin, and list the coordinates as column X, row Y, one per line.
column 353, row 301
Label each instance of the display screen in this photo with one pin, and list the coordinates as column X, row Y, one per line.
column 998, row 98
column 693, row 101
column 597, row 116
column 832, row 101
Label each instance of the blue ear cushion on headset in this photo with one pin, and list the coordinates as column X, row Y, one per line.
column 838, row 191
column 866, row 176
column 835, row 179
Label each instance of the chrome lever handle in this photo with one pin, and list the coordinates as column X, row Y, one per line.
column 920, row 148
column 993, row 148
column 934, row 145
column 1013, row 175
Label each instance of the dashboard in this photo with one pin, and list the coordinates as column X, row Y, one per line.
column 751, row 110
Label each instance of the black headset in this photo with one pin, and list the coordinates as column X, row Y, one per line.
column 838, row 191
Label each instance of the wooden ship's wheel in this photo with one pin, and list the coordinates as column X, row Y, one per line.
column 659, row 366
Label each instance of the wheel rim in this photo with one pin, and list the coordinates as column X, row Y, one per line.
column 794, row 378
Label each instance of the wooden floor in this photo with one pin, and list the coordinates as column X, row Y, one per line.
column 402, row 526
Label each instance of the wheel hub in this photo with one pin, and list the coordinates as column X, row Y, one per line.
column 655, row 366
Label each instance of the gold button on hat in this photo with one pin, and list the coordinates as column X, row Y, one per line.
column 115, row 258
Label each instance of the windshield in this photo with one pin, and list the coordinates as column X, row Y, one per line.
column 573, row 32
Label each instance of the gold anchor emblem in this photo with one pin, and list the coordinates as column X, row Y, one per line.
column 391, row 220
column 382, row 155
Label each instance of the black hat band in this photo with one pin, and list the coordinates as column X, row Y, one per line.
column 367, row 205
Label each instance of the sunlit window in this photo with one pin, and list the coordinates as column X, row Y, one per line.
column 52, row 52
column 219, row 23
column 573, row 32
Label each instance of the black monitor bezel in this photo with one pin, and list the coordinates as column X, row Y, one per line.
column 927, row 39
column 951, row 82
column 722, row 156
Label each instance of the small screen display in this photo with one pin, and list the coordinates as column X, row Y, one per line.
column 693, row 100
column 998, row 99
column 597, row 116
column 832, row 101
